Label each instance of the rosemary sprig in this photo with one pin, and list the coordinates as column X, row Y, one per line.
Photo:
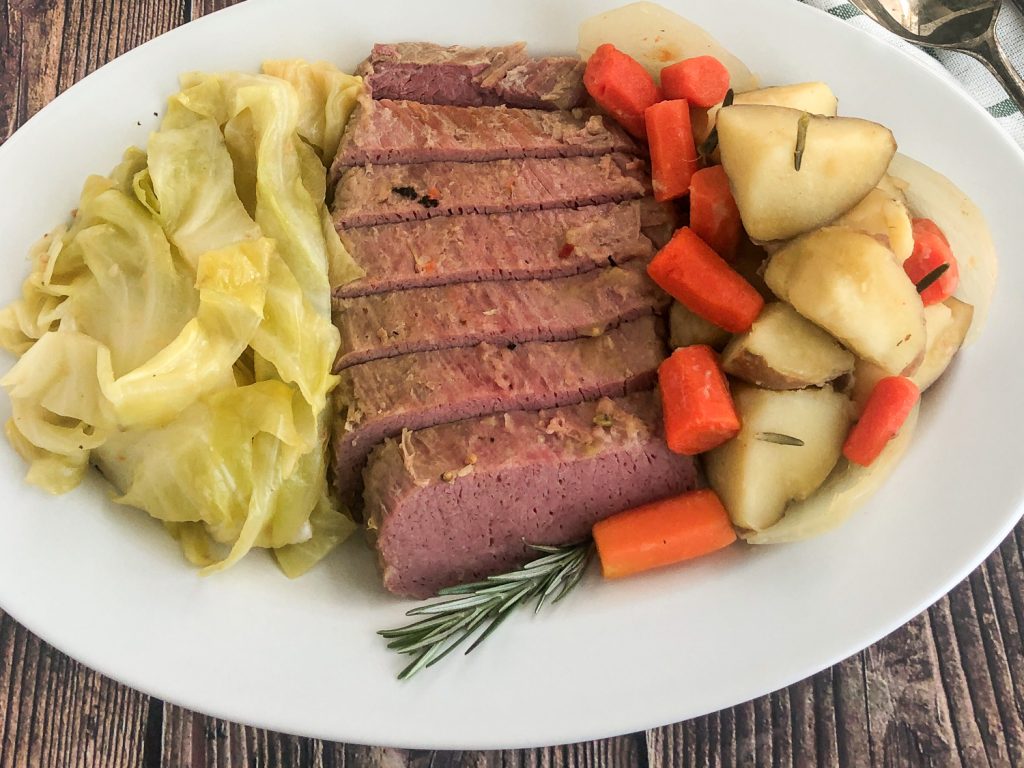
column 779, row 439
column 447, row 623
column 801, row 140
column 932, row 276
column 710, row 144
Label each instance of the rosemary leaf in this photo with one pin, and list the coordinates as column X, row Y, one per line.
column 801, row 139
column 932, row 276
column 708, row 146
column 448, row 623
column 780, row 439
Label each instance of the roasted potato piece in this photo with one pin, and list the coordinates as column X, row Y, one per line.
column 687, row 328
column 843, row 159
column 816, row 98
column 846, row 488
column 788, row 445
column 946, row 326
column 849, row 284
column 884, row 215
column 783, row 350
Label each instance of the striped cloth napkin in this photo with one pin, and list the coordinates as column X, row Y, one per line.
column 970, row 74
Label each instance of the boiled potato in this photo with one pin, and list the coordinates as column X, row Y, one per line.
column 946, row 326
column 657, row 37
column 754, row 474
column 687, row 328
column 844, row 158
column 849, row 284
column 816, row 98
column 846, row 488
column 783, row 350
column 884, row 215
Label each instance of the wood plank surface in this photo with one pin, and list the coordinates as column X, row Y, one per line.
column 945, row 690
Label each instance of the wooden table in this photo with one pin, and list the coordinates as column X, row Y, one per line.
column 946, row 689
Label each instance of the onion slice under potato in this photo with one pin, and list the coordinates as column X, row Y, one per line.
column 846, row 488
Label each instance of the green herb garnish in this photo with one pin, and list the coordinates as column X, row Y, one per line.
column 446, row 624
column 932, row 276
column 409, row 193
column 710, row 144
column 801, row 139
column 780, row 439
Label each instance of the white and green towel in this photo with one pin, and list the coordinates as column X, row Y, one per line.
column 971, row 74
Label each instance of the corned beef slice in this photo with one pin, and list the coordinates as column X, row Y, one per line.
column 427, row 388
column 461, row 315
column 464, row 76
column 456, row 502
column 381, row 194
column 390, row 131
column 500, row 246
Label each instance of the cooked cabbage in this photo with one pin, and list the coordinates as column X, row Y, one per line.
column 177, row 332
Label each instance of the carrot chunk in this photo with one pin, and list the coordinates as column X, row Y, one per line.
column 932, row 266
column 714, row 216
column 698, row 410
column 661, row 533
column 696, row 276
column 673, row 153
column 887, row 407
column 621, row 87
column 703, row 81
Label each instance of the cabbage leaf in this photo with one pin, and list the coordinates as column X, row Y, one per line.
column 177, row 331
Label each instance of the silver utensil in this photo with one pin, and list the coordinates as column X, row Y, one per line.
column 968, row 26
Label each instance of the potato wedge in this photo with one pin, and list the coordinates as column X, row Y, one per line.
column 947, row 329
column 946, row 325
column 687, row 328
column 849, row 284
column 846, row 488
column 784, row 350
column 816, row 98
column 843, row 159
column 755, row 474
column 883, row 215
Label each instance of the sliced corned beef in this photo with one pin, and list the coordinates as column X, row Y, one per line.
column 464, row 76
column 389, row 131
column 498, row 246
column 500, row 312
column 381, row 398
column 550, row 82
column 456, row 502
column 381, row 194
